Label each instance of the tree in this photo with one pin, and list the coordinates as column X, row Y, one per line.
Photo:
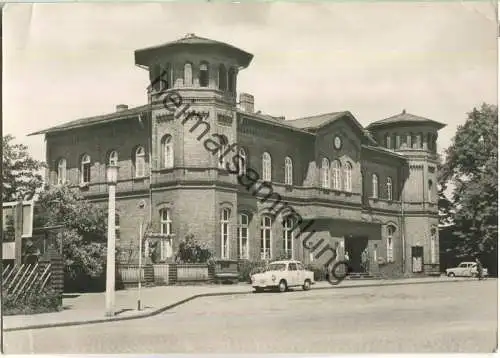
column 471, row 166
column 83, row 237
column 21, row 177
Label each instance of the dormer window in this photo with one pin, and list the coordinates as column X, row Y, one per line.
column 203, row 77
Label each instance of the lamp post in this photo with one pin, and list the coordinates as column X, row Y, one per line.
column 112, row 178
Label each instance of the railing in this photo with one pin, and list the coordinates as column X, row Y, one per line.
column 130, row 274
column 192, row 272
column 25, row 280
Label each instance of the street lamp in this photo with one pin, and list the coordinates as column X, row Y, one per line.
column 112, row 178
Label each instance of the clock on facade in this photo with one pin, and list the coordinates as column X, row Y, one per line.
column 337, row 142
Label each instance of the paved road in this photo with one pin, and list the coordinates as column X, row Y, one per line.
column 440, row 317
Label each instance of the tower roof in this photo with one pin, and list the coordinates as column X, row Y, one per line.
column 190, row 41
column 405, row 117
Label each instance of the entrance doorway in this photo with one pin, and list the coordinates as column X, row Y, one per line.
column 355, row 245
column 417, row 256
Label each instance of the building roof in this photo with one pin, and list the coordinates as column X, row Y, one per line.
column 89, row 121
column 387, row 151
column 143, row 56
column 321, row 120
column 405, row 117
column 314, row 122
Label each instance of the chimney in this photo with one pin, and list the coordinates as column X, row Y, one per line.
column 247, row 102
column 121, row 107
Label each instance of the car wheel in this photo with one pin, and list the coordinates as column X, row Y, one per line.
column 282, row 286
column 451, row 274
column 307, row 285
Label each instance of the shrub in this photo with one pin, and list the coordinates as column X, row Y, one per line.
column 192, row 252
column 247, row 268
column 42, row 302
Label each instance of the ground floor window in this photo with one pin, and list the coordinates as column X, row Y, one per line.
column 243, row 236
column 390, row 243
column 265, row 237
column 224, row 220
column 288, row 237
column 434, row 249
column 166, row 229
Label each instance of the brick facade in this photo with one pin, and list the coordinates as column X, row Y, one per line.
column 195, row 190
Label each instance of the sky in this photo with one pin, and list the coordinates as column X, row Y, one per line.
column 437, row 60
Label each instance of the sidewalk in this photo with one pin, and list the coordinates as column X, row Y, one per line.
column 89, row 307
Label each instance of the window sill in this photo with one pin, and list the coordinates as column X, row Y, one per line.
column 139, row 179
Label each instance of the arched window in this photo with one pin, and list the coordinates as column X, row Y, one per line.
column 374, row 186
column 154, row 76
column 222, row 151
column 113, row 158
column 288, row 237
column 167, row 152
column 429, row 141
column 203, row 77
column 391, row 230
column 242, row 161
column 165, row 78
column 224, row 223
column 288, row 171
column 434, row 246
column 188, row 74
column 242, row 232
column 85, row 169
column 140, row 162
column 266, row 167
column 325, row 173
column 231, row 81
column 403, row 141
column 336, row 178
column 165, row 229
column 389, row 188
column 413, row 141
column 387, row 141
column 61, row 171
column 429, row 191
column 222, row 78
column 348, row 177
column 265, row 237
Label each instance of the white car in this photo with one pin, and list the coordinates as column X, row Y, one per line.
column 465, row 269
column 282, row 275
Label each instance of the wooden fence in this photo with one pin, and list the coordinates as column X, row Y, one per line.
column 24, row 280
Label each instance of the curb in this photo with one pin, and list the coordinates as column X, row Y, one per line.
column 213, row 294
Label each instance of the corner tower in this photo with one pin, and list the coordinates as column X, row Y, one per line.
column 415, row 137
column 192, row 97
column 201, row 76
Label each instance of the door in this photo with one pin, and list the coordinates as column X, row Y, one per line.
column 354, row 247
column 417, row 255
column 293, row 274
